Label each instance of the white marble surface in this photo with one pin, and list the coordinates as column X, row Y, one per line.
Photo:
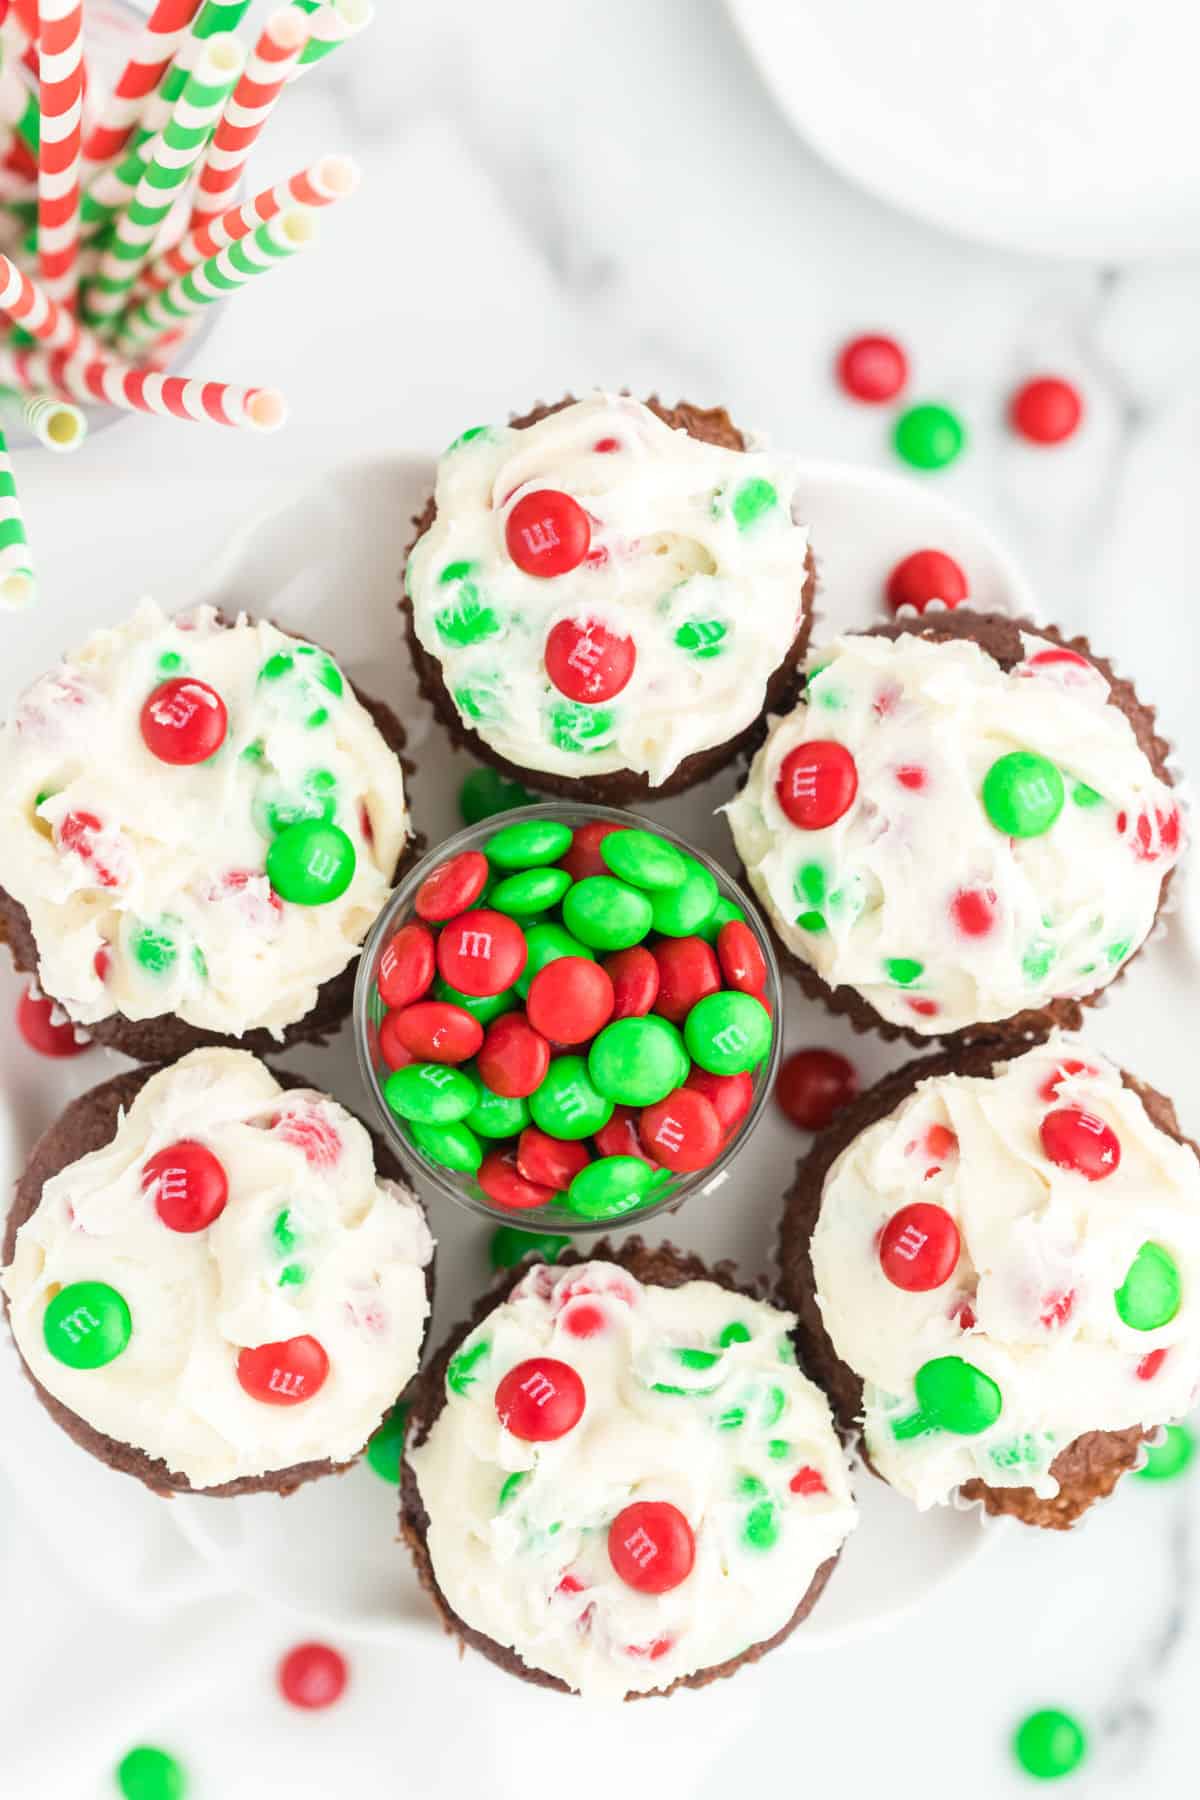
column 557, row 195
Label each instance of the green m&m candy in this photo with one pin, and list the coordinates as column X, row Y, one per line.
column 303, row 670
column 727, row 1033
column 644, row 859
column 682, row 910
column 752, row 501
column 467, row 618
column 578, row 728
column 722, row 914
column 311, row 863
column 509, row 1244
column 1170, row 1458
column 430, row 1093
column 568, row 1104
column 636, row 1062
column 316, row 799
column 544, row 944
column 485, row 793
column 702, row 638
column 484, row 1007
column 954, row 1395
column 610, row 1186
column 154, row 948
column 386, row 1445
column 1152, row 1290
column 1049, row 1743
column 466, row 1366
column 606, row 914
column 1023, row 794
column 530, row 844
column 86, row 1325
column 529, row 891
column 148, row 1773
column 496, row 1115
column 928, row 437
column 454, row 1146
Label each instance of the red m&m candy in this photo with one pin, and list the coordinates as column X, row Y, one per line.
column 1070, row 1065
column 312, row 1676
column 453, row 887
column 583, row 859
column 514, row 1058
column 687, row 972
column 393, row 1052
column 183, row 721
column 683, row 1132
column 570, row 1000
column 481, row 953
column 540, row 1399
column 872, row 369
column 651, row 1546
column 634, row 977
column 35, row 1022
column 436, row 1031
column 549, row 1161
column 817, row 784
column 78, row 831
column 407, row 966
column 311, row 1131
column 283, row 1374
column 619, row 1137
column 919, row 1247
column 974, row 911
column 813, row 1084
column 189, row 1184
column 587, row 662
column 547, row 533
column 1046, row 410
column 924, row 576
column 731, row 1096
column 501, row 1179
column 742, row 962
column 1078, row 1140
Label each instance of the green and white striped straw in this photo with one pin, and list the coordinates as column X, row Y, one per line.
column 56, row 424
column 175, row 155
column 230, row 269
column 17, row 584
column 114, row 188
column 333, row 21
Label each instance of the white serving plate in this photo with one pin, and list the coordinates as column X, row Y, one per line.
column 326, row 563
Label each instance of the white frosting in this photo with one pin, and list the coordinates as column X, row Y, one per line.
column 170, row 837
column 666, row 553
column 358, row 1250
column 500, row 1565
column 1069, row 907
column 1043, row 1251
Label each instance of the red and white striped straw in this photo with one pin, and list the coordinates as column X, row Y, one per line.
column 333, row 178
column 106, row 379
column 29, row 304
column 60, row 66
column 164, row 30
column 247, row 110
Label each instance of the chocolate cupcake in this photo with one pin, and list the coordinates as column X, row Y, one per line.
column 617, row 1481
column 965, row 830
column 995, row 1259
column 605, row 598
column 199, row 822
column 216, row 1283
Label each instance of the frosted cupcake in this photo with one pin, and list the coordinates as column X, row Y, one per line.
column 996, row 1266
column 966, row 829
column 216, row 1283
column 199, row 822
column 605, row 597
column 618, row 1481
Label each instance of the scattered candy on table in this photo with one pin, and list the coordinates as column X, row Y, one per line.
column 1046, row 410
column 1170, row 1458
column 147, row 1773
column 47, row 1029
column 928, row 436
column 1049, row 1744
column 925, row 576
column 585, row 1041
column 813, row 1084
column 872, row 369
column 312, row 1676
column 386, row 1445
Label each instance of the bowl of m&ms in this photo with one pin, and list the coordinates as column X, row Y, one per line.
column 568, row 1017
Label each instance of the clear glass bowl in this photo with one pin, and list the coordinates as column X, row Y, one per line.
column 369, row 1012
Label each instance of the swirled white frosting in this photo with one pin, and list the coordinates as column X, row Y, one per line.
column 712, row 604
column 868, row 901
column 175, row 861
column 354, row 1248
column 1043, row 1251
column 716, row 1442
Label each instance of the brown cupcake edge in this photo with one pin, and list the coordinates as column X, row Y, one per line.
column 1001, row 640
column 662, row 1265
column 1088, row 1468
column 711, row 425
column 87, row 1124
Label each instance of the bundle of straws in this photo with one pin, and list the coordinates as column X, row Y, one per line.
column 119, row 217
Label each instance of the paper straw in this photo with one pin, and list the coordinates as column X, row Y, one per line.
column 232, row 268
column 333, row 178
column 121, row 113
column 175, row 156
column 58, row 425
column 17, row 586
column 32, row 307
column 60, row 69
column 332, row 23
column 108, row 379
column 113, row 188
column 250, row 106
